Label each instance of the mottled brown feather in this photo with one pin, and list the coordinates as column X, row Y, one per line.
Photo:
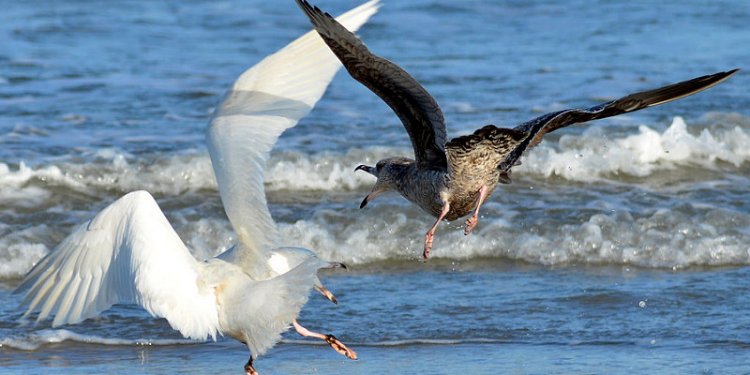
column 476, row 156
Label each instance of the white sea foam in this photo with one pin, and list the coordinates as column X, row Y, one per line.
column 15, row 190
column 674, row 238
column 664, row 239
column 324, row 171
column 176, row 174
column 20, row 250
column 36, row 339
column 594, row 155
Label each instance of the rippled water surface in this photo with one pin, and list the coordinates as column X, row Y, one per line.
column 622, row 245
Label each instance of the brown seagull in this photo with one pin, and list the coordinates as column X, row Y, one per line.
column 450, row 179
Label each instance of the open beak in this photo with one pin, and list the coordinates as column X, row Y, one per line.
column 374, row 193
column 366, row 168
column 375, row 190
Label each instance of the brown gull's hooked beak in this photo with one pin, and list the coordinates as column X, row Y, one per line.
column 375, row 190
column 374, row 193
column 366, row 168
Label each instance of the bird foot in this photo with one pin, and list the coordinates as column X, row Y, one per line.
column 327, row 294
column 340, row 348
column 470, row 224
column 249, row 369
column 427, row 245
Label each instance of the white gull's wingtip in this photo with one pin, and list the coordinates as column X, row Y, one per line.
column 356, row 17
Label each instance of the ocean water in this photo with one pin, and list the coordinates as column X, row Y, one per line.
column 623, row 245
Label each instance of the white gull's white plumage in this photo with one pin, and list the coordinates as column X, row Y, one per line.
column 129, row 253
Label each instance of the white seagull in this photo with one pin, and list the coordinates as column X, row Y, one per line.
column 129, row 253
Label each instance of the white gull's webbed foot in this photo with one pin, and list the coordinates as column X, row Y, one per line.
column 331, row 340
column 249, row 369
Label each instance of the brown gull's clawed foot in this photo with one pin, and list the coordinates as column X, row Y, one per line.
column 428, row 244
column 430, row 236
column 249, row 369
column 474, row 219
column 337, row 345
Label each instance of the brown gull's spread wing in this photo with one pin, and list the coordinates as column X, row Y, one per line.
column 416, row 108
column 542, row 125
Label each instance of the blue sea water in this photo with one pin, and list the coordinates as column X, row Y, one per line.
column 623, row 245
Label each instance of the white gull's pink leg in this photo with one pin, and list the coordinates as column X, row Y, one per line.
column 337, row 345
column 249, row 369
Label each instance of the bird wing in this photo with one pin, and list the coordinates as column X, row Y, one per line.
column 473, row 156
column 264, row 101
column 542, row 125
column 416, row 108
column 128, row 253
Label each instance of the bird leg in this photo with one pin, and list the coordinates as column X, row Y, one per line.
column 323, row 290
column 474, row 219
column 326, row 293
column 249, row 369
column 431, row 233
column 337, row 345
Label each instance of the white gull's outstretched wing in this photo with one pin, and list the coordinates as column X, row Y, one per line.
column 128, row 253
column 265, row 100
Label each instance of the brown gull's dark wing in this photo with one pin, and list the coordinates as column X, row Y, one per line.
column 416, row 108
column 542, row 125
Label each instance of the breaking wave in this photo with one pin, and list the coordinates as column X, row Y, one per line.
column 36, row 339
column 591, row 156
column 683, row 236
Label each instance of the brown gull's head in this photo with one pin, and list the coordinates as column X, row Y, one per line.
column 387, row 171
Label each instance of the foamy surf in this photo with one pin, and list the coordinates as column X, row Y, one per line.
column 591, row 156
column 595, row 155
column 35, row 339
column 110, row 169
column 677, row 238
column 21, row 249
column 664, row 239
column 689, row 235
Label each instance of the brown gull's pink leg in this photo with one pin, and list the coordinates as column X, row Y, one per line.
column 431, row 233
column 474, row 219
